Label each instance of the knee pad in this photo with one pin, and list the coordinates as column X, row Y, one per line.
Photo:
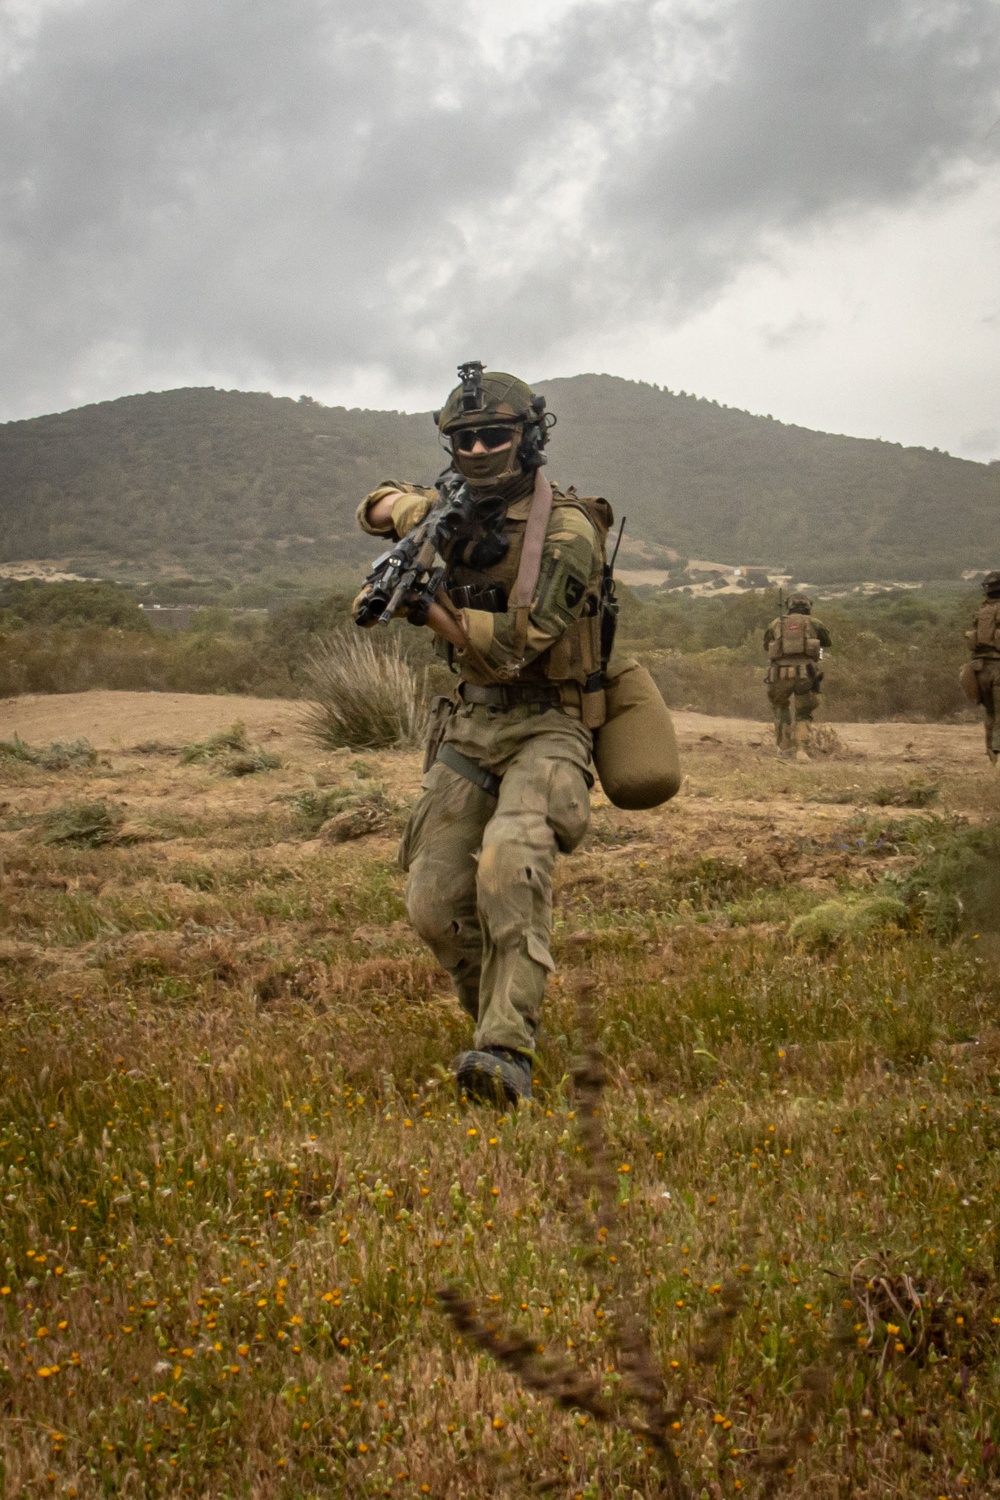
column 430, row 914
column 569, row 805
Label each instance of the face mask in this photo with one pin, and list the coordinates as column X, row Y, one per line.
column 491, row 467
column 486, row 468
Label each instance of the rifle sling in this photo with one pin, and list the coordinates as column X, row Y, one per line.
column 463, row 765
column 469, row 652
column 528, row 569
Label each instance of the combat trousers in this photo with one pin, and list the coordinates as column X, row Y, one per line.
column 780, row 695
column 479, row 886
column 988, row 676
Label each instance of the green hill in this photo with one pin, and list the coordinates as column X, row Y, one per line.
column 245, row 485
column 225, row 482
column 719, row 483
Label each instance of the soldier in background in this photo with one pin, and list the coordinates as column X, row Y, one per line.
column 980, row 677
column 794, row 642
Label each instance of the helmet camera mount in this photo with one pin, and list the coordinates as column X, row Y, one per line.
column 470, row 373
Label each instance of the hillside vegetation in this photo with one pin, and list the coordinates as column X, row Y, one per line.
column 719, row 483
column 247, row 486
column 894, row 657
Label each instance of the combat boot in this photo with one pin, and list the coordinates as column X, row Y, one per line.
column 802, row 741
column 496, row 1075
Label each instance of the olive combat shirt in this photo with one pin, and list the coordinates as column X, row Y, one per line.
column 570, row 574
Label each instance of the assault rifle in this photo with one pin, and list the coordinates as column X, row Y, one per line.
column 412, row 571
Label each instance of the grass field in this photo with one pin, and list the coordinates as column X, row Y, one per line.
column 236, row 1176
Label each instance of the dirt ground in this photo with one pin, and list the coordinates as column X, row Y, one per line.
column 737, row 798
column 118, row 721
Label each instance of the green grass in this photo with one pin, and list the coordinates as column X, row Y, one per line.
column 235, row 1177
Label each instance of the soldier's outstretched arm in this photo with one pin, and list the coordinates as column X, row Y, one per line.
column 394, row 509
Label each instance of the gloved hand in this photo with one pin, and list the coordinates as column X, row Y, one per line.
column 365, row 624
column 408, row 511
column 417, row 611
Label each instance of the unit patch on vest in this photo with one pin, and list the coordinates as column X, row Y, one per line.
column 573, row 592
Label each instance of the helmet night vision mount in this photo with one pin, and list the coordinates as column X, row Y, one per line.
column 471, row 375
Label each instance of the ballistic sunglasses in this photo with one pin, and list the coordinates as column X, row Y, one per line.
column 490, row 437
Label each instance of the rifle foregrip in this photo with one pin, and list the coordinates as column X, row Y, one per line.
column 397, row 599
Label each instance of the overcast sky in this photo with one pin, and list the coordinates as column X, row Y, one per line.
column 791, row 206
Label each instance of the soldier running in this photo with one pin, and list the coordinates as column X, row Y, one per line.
column 508, row 779
column 794, row 642
column 980, row 677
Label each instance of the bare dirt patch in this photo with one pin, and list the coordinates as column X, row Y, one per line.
column 888, row 741
column 114, row 720
column 117, row 721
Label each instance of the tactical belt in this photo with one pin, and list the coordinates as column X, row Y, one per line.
column 508, row 695
column 470, row 769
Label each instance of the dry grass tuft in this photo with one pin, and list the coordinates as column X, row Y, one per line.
column 917, row 792
column 367, row 695
column 59, row 756
column 824, row 740
column 359, row 806
column 231, row 753
column 87, row 825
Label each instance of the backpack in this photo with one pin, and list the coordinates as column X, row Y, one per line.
column 796, row 638
column 985, row 634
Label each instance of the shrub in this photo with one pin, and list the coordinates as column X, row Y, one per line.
column 233, row 738
column 367, row 694
column 73, row 602
column 248, row 762
column 60, row 659
column 721, row 681
column 854, row 918
column 895, row 657
column 956, row 881
column 16, row 749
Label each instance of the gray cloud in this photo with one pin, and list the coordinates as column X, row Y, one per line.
column 303, row 191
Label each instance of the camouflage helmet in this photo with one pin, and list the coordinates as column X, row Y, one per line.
column 991, row 585
column 488, row 396
column 800, row 604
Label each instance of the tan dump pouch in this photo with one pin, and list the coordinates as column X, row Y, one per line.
column 969, row 678
column 635, row 750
